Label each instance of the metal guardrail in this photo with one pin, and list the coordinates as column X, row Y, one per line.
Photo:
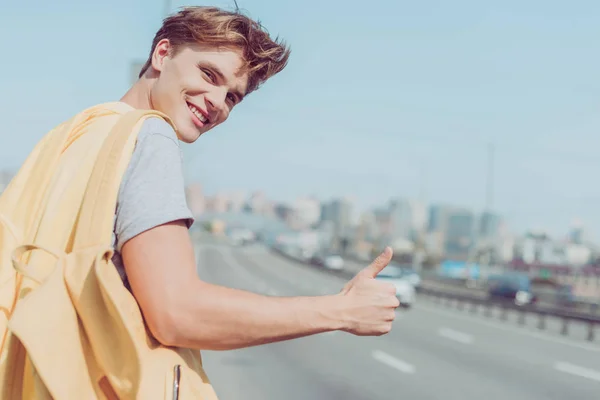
column 542, row 312
column 546, row 297
column 461, row 299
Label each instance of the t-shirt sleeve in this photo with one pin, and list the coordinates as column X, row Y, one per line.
column 152, row 191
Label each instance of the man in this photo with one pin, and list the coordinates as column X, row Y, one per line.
column 203, row 62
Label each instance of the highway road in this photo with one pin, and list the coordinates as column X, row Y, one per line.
column 433, row 352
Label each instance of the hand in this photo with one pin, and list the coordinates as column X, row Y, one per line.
column 370, row 304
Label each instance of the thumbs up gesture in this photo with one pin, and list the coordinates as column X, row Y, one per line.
column 370, row 304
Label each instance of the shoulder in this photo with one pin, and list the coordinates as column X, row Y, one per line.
column 157, row 144
column 157, row 128
column 157, row 159
column 152, row 190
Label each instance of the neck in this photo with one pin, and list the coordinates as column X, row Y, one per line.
column 138, row 96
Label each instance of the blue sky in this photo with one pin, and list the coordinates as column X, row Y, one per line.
column 380, row 99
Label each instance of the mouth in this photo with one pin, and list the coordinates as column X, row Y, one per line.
column 199, row 117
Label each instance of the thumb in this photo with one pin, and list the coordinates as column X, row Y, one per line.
column 379, row 263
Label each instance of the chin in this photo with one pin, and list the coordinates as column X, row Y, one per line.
column 189, row 136
column 188, row 133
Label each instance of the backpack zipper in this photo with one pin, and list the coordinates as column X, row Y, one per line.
column 176, row 379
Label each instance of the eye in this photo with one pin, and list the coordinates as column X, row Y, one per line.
column 209, row 74
column 232, row 98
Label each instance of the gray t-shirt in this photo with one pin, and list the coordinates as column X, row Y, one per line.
column 152, row 191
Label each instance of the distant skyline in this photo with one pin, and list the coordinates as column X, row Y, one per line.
column 358, row 209
column 393, row 99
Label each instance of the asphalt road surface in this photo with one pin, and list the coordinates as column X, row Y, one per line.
column 433, row 351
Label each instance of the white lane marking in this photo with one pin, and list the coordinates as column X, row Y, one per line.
column 304, row 283
column 197, row 257
column 258, row 283
column 457, row 336
column 522, row 331
column 577, row 370
column 307, row 271
column 393, row 362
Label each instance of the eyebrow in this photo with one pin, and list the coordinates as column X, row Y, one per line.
column 240, row 95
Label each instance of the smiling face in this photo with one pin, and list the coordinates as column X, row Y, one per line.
column 196, row 86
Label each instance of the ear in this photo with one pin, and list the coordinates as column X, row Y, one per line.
column 160, row 54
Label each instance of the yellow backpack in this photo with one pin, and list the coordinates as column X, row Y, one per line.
column 69, row 329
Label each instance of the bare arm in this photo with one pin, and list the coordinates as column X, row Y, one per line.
column 182, row 310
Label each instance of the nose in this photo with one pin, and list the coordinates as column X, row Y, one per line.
column 215, row 103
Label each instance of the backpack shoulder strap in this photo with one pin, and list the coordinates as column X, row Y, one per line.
column 94, row 225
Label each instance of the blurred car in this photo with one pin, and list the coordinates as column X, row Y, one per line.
column 515, row 287
column 412, row 276
column 334, row 261
column 241, row 236
column 549, row 290
column 329, row 261
column 405, row 290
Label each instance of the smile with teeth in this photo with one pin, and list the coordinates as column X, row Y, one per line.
column 197, row 113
